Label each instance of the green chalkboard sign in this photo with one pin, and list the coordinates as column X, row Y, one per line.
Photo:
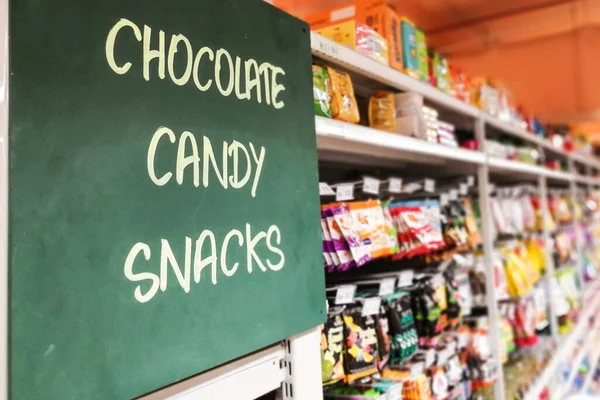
column 164, row 212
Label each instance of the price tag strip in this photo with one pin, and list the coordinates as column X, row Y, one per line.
column 371, row 306
column 429, row 185
column 387, row 286
column 395, row 185
column 371, row 185
column 453, row 194
column 405, row 278
column 345, row 294
column 344, row 192
column 325, row 189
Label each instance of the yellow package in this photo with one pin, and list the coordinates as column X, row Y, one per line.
column 536, row 254
column 516, row 278
column 382, row 111
column 343, row 103
column 471, row 224
column 529, row 264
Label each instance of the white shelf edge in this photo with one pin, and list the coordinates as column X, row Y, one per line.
column 354, row 61
column 513, row 130
column 258, row 373
column 559, row 175
column 585, row 159
column 565, row 348
column 501, row 163
column 347, row 132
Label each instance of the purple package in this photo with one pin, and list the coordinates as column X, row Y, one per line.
column 340, row 246
column 345, row 224
column 327, row 245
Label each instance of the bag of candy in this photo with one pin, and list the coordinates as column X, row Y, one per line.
column 360, row 339
column 343, row 102
column 332, row 357
column 321, row 91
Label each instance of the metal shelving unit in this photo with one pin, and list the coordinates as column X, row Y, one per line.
column 338, row 141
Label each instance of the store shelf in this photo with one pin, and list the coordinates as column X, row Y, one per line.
column 341, row 137
column 353, row 61
column 585, row 159
column 592, row 299
column 502, row 164
column 558, row 175
column 512, row 130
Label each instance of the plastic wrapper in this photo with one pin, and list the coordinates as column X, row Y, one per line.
column 382, row 111
column 343, row 102
column 321, row 91
column 360, row 338
column 332, row 357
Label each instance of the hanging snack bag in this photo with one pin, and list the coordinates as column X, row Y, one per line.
column 331, row 258
column 369, row 223
column 403, row 334
column 471, row 224
column 383, row 338
column 332, row 358
column 390, row 229
column 343, row 102
column 360, row 338
column 340, row 245
column 427, row 313
column 453, row 311
column 321, row 91
column 382, row 111
column 345, row 223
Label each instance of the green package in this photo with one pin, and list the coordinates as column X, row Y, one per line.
column 422, row 57
column 321, row 91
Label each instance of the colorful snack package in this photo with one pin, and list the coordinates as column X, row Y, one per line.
column 475, row 238
column 422, row 57
column 390, row 229
column 416, row 228
column 347, row 226
column 321, row 91
column 428, row 312
column 340, row 245
column 403, row 334
column 327, row 244
column 409, row 48
column 454, row 311
column 369, row 222
column 382, row 111
column 332, row 357
column 343, row 102
column 360, row 338
column 383, row 338
column 417, row 388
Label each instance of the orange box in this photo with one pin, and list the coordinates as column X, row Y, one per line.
column 377, row 14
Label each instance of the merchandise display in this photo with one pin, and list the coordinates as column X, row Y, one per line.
column 460, row 234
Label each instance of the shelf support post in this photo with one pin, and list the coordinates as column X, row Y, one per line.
column 483, row 186
column 302, row 367
column 548, row 253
